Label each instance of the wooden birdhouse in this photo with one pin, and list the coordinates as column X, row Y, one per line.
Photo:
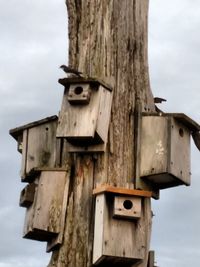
column 165, row 149
column 85, row 114
column 37, row 143
column 45, row 203
column 118, row 237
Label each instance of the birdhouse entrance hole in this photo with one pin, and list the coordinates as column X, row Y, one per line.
column 128, row 204
column 181, row 132
column 78, row 90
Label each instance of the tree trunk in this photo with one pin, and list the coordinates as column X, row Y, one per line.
column 108, row 40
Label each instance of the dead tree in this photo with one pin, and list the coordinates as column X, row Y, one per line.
column 91, row 172
column 107, row 40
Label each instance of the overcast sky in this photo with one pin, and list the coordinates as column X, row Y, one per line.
column 33, row 44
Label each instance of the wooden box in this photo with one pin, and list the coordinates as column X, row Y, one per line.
column 85, row 114
column 117, row 239
column 37, row 143
column 165, row 149
column 44, row 218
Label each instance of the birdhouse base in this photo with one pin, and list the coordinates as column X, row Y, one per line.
column 40, row 235
column 108, row 260
column 164, row 180
column 86, row 149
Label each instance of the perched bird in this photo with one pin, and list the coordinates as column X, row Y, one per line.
column 69, row 70
column 196, row 138
column 159, row 100
column 158, row 110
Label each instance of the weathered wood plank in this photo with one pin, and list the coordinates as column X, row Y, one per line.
column 109, row 245
column 154, row 140
column 104, row 114
column 24, row 154
column 151, row 259
column 121, row 191
column 54, row 243
column 179, row 162
column 39, row 148
column 85, row 124
column 73, row 119
column 44, row 218
column 100, row 148
column 95, row 81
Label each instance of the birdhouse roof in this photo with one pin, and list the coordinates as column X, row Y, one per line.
column 16, row 132
column 181, row 117
column 73, row 80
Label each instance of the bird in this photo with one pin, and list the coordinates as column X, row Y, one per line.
column 158, row 110
column 196, row 138
column 69, row 70
column 159, row 100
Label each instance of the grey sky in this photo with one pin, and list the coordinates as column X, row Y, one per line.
column 174, row 70
column 33, row 45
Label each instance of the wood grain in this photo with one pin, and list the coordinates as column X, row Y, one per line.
column 121, row 191
column 44, row 218
column 108, row 40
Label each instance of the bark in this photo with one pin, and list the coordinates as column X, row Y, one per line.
column 108, row 40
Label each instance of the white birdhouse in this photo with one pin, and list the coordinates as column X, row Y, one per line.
column 85, row 114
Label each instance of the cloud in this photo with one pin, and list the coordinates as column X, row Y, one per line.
column 174, row 58
column 33, row 46
column 174, row 70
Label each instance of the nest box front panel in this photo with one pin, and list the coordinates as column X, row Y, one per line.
column 78, row 122
column 154, row 145
column 85, row 115
column 39, row 147
column 179, row 164
column 43, row 217
column 110, row 246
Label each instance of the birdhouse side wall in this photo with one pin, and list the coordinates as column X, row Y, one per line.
column 108, row 244
column 179, row 162
column 104, row 113
column 24, row 154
